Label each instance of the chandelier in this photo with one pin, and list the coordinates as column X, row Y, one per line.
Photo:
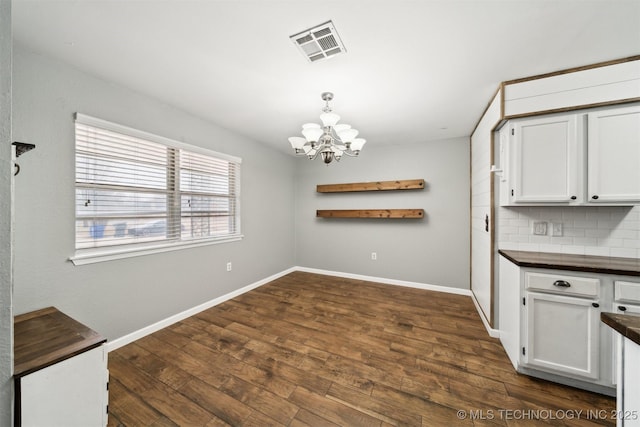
column 331, row 140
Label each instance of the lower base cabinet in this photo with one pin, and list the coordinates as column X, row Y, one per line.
column 550, row 324
column 628, row 399
column 69, row 393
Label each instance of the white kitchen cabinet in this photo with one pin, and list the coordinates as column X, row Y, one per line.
column 562, row 334
column 626, row 296
column 545, row 151
column 620, row 308
column 509, row 308
column 628, row 399
column 614, row 155
column 69, row 393
column 626, row 329
column 591, row 157
column 549, row 316
column 60, row 372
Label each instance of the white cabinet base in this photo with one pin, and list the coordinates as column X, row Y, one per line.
column 571, row 382
column 67, row 394
column 629, row 384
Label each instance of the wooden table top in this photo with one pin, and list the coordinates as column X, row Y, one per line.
column 626, row 324
column 48, row 336
column 586, row 263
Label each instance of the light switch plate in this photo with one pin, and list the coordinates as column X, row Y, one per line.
column 540, row 228
column 556, row 229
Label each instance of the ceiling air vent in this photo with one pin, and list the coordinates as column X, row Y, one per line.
column 319, row 42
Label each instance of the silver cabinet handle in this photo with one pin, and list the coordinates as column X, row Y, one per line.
column 562, row 284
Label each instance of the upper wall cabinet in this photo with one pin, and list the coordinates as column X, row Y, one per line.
column 614, row 155
column 546, row 159
column 581, row 158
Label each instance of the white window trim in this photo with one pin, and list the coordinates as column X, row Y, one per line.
column 95, row 255
column 92, row 256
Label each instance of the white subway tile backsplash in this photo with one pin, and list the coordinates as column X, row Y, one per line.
column 629, row 225
column 519, row 223
column 540, row 239
column 624, row 234
column 549, row 248
column 592, row 230
column 585, row 241
column 509, row 214
column 596, row 232
column 573, row 249
column 610, row 242
column 631, row 243
column 570, row 231
column 567, row 240
column 509, row 246
column 573, row 214
column 624, row 252
column 578, row 223
column 529, row 247
column 551, row 214
column 597, row 250
column 606, row 224
column 508, row 230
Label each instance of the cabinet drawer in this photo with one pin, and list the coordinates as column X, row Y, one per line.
column 627, row 291
column 565, row 285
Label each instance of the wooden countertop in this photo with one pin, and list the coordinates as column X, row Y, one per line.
column 48, row 336
column 627, row 324
column 586, row 263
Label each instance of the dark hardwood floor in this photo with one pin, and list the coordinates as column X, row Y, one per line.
column 313, row 350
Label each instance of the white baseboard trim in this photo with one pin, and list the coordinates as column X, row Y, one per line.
column 493, row 333
column 417, row 285
column 140, row 333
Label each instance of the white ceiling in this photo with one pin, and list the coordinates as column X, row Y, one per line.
column 414, row 70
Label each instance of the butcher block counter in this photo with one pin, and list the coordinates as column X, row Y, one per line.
column 625, row 324
column 48, row 336
column 585, row 263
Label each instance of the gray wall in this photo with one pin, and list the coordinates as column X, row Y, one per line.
column 432, row 251
column 6, row 217
column 278, row 210
column 122, row 296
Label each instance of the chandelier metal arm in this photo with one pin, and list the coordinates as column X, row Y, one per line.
column 351, row 153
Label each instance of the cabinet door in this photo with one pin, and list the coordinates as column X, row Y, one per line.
column 562, row 334
column 614, row 155
column 546, row 160
column 69, row 393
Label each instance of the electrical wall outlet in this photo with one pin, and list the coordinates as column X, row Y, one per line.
column 229, row 266
column 374, row 256
column 556, row 229
column 540, row 228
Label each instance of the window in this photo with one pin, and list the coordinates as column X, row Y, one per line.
column 136, row 191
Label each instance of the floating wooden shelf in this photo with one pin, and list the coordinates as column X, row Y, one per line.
column 407, row 184
column 371, row 213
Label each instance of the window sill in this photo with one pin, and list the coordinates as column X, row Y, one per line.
column 92, row 256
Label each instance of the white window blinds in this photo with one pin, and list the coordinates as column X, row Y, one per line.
column 134, row 188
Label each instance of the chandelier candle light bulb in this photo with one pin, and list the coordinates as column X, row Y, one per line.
column 331, row 140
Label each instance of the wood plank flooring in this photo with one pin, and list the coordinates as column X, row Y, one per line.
column 313, row 350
